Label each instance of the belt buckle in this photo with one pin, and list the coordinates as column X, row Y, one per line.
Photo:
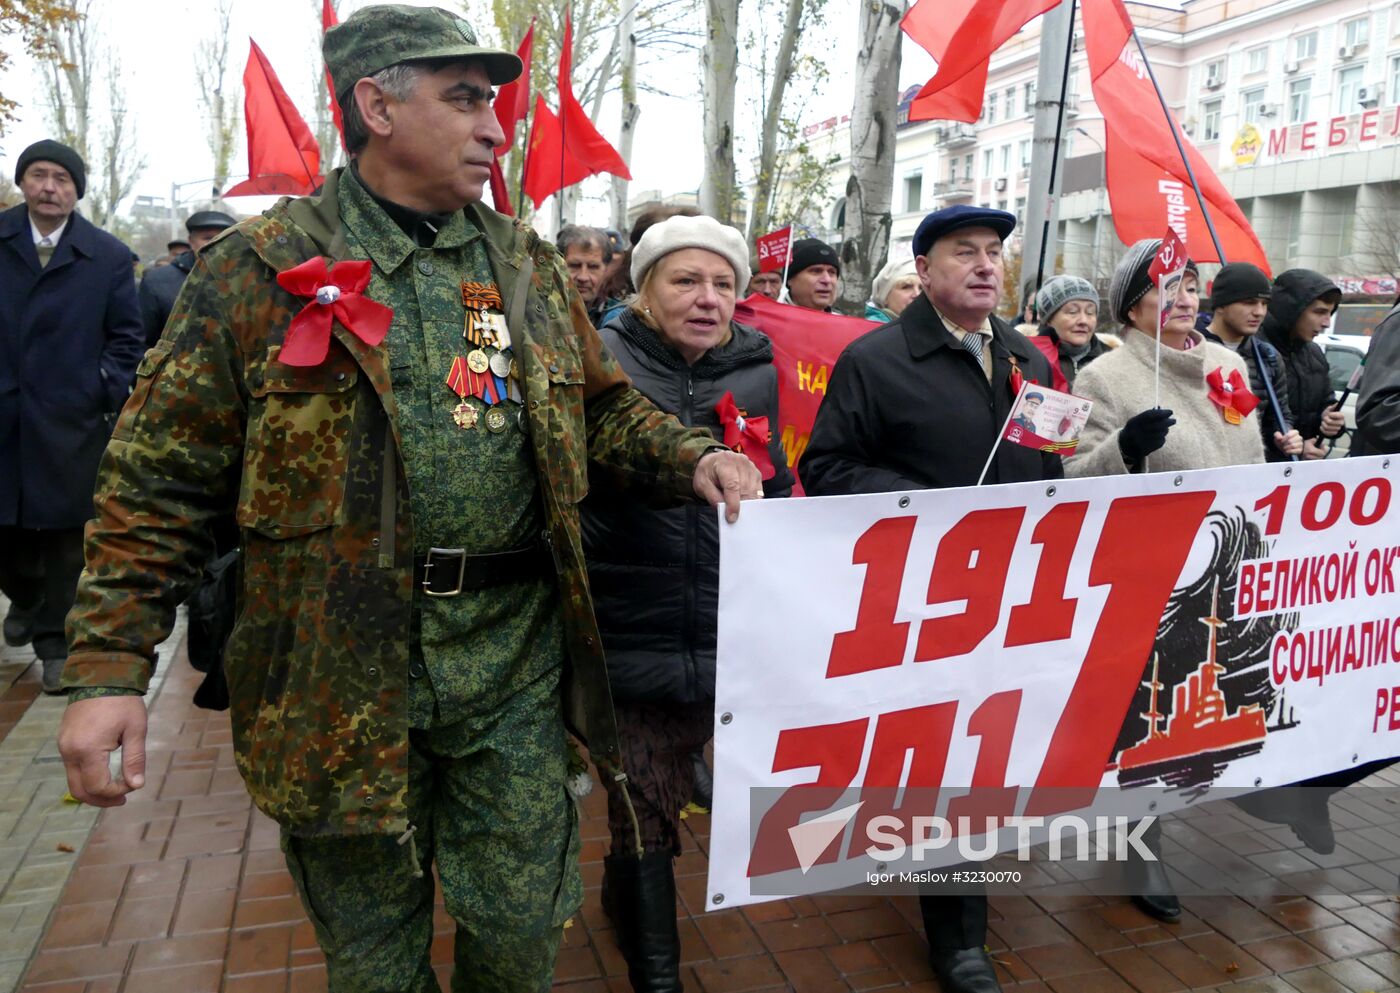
column 428, row 565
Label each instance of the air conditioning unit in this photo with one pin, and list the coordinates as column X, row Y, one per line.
column 1214, row 82
column 1368, row 96
column 1290, row 67
column 1268, row 109
column 1346, row 51
column 1000, row 185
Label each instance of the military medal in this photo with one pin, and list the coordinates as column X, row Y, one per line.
column 522, row 420
column 496, row 420
column 477, row 361
column 459, row 381
column 481, row 326
column 500, row 365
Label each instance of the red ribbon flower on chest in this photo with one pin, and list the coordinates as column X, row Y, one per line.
column 746, row 435
column 335, row 293
column 1231, row 395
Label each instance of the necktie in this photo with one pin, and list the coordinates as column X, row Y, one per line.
column 45, row 251
column 972, row 341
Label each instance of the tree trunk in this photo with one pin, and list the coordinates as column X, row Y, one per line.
column 765, row 183
column 630, row 110
column 866, row 236
column 720, row 67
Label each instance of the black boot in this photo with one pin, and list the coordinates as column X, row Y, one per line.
column 703, row 796
column 956, row 928
column 1302, row 808
column 1153, row 892
column 642, row 895
column 19, row 626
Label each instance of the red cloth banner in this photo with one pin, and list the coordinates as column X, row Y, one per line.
column 773, row 249
column 283, row 156
column 806, row 344
column 328, row 21
column 513, row 99
column 566, row 149
column 1146, row 178
column 962, row 35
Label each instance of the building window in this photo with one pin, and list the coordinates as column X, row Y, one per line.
column 1210, row 121
column 1005, row 159
column 1305, row 46
column 1028, row 94
column 1020, row 211
column 991, row 108
column 1355, row 34
column 1253, row 103
column 952, row 170
column 1393, row 90
column 1025, row 150
column 1257, row 59
column 986, row 162
column 967, row 167
column 913, row 191
column 1010, row 102
column 1215, row 72
column 1349, row 89
column 1299, row 99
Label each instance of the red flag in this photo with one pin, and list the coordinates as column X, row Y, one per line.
column 1147, row 182
column 500, row 195
column 806, row 344
column 566, row 149
column 962, row 35
column 283, row 156
column 513, row 99
column 773, row 249
column 328, row 21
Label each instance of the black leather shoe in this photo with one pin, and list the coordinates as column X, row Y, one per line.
column 52, row 670
column 703, row 796
column 1154, row 894
column 964, row 970
column 19, row 627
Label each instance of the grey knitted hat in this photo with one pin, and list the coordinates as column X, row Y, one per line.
column 1130, row 281
column 1061, row 290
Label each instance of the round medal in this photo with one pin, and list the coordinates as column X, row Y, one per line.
column 477, row 361
column 500, row 364
column 522, row 420
column 495, row 420
column 464, row 415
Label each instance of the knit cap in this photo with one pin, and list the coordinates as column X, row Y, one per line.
column 807, row 252
column 1061, row 290
column 893, row 272
column 1130, row 281
column 49, row 150
column 1238, row 281
column 700, row 231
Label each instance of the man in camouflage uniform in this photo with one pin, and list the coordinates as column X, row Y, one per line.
column 393, row 704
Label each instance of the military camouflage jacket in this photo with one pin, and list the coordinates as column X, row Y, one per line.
column 308, row 459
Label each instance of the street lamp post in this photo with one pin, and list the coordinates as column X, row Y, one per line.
column 1103, row 191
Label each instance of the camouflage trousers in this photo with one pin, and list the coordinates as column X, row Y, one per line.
column 490, row 811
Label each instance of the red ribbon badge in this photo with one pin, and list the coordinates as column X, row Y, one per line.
column 746, row 435
column 335, row 293
column 1231, row 395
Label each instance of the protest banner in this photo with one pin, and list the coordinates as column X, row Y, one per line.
column 1080, row 643
column 806, row 345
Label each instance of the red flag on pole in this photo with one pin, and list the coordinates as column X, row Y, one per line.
column 283, row 156
column 566, row 149
column 962, row 35
column 773, row 249
column 513, row 99
column 1147, row 181
column 328, row 21
column 500, row 194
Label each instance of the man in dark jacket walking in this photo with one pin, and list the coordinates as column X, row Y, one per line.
column 919, row 404
column 1301, row 308
column 1239, row 299
column 1378, row 405
column 70, row 339
column 160, row 286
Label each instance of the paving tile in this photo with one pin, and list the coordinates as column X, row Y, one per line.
column 1059, row 960
column 81, row 924
column 1313, row 980
column 1225, row 955
column 143, row 918
column 210, row 910
column 1285, row 954
column 907, row 954
column 807, row 970
column 259, row 950
column 873, row 922
column 1354, row 975
column 1343, row 941
column 735, row 975
column 855, row 958
column 1386, row 963
column 181, row 950
column 1104, row 981
column 728, row 934
column 800, row 932
column 204, row 978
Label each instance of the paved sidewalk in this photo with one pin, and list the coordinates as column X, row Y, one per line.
column 184, row 889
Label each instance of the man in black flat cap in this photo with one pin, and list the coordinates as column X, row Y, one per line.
column 161, row 285
column 814, row 274
column 70, row 339
column 919, row 404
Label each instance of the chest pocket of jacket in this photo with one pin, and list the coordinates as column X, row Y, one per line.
column 565, row 445
column 296, row 455
column 141, row 392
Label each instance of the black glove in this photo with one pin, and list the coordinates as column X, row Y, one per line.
column 1144, row 434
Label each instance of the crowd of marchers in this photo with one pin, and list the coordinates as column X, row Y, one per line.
column 436, row 509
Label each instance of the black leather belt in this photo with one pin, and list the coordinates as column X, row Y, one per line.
column 445, row 572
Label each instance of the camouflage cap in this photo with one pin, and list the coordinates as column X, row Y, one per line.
column 374, row 38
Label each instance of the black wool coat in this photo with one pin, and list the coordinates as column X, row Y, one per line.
column 70, row 341
column 159, row 288
column 654, row 573
column 908, row 408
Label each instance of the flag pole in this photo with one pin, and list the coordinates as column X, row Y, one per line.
column 1180, row 149
column 1055, row 150
column 787, row 261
